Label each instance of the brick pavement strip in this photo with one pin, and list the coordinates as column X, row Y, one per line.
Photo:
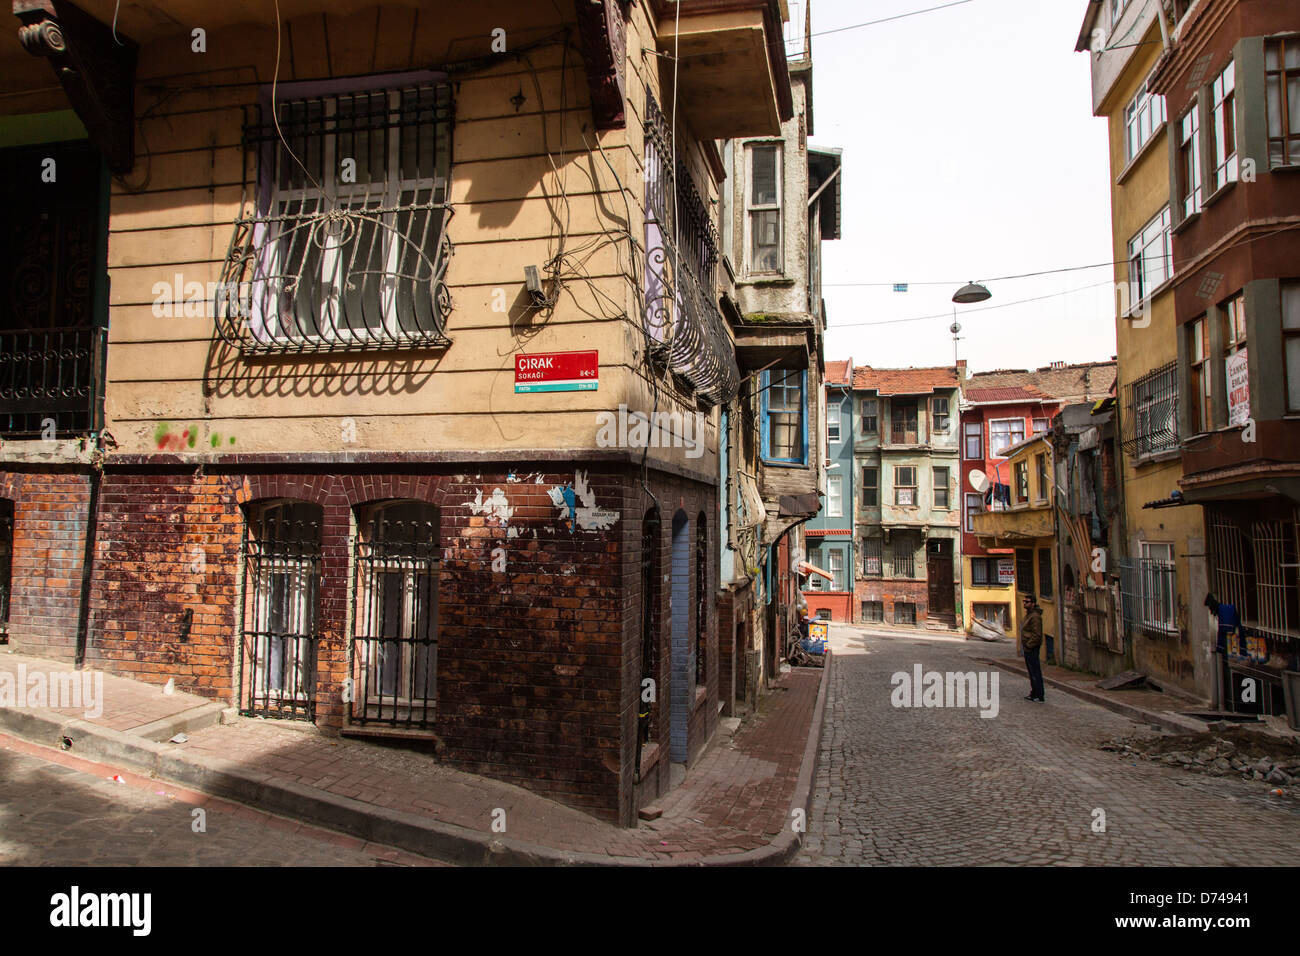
column 944, row 786
column 734, row 807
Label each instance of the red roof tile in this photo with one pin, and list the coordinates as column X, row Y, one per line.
column 837, row 373
column 905, row 381
column 1006, row 393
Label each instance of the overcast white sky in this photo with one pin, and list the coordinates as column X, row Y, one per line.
column 970, row 152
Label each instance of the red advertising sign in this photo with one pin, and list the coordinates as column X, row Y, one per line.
column 557, row 372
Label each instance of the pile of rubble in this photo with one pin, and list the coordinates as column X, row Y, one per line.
column 1248, row 754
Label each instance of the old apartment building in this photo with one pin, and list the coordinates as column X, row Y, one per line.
column 780, row 201
column 1200, row 99
column 1000, row 410
column 1230, row 72
column 1161, row 551
column 907, row 530
column 368, row 366
column 830, row 535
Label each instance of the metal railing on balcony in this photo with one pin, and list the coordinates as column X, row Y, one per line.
column 682, row 321
column 51, row 381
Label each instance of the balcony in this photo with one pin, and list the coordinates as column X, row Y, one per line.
column 1005, row 529
column 51, row 381
column 733, row 77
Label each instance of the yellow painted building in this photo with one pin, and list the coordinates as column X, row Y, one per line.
column 1026, row 524
column 1162, row 571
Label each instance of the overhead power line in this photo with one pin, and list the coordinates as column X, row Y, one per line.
column 1022, row 275
column 966, row 312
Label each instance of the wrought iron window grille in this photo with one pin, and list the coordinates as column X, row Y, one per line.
column 346, row 247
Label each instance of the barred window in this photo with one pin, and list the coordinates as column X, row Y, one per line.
column 1152, row 408
column 282, row 557
column 873, row 612
column 348, row 245
column 904, row 613
column 1157, row 587
column 872, row 564
column 904, row 558
column 395, row 645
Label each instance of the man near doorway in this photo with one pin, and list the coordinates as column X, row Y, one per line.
column 1031, row 639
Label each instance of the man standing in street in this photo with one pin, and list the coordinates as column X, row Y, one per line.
column 1031, row 639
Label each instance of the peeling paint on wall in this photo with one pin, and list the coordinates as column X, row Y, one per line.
column 576, row 505
column 496, row 507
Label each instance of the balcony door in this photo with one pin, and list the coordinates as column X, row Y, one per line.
column 52, row 263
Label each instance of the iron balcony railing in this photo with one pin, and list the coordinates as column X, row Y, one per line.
column 51, row 381
column 682, row 321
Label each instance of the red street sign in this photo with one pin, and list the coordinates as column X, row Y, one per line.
column 557, row 372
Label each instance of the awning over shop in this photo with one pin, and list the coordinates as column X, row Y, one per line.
column 806, row 568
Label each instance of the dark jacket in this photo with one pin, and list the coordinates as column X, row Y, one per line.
column 1031, row 631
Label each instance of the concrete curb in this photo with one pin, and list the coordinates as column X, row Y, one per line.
column 1168, row 721
column 396, row 828
column 196, row 718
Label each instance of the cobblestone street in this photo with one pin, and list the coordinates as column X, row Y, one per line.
column 940, row 786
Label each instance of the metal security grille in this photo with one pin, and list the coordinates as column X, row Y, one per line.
column 1149, row 595
column 395, row 648
column 904, row 613
column 50, row 380
column 1277, row 595
column 904, row 558
column 1151, row 413
column 280, row 622
column 347, row 248
column 682, row 321
column 6, row 564
column 1229, row 550
column 701, row 599
column 650, row 530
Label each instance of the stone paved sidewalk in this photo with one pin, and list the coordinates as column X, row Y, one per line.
column 737, row 799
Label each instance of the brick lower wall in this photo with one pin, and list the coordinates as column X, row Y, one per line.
column 538, row 666
column 891, row 592
column 49, row 541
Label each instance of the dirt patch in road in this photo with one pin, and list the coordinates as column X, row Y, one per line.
column 1233, row 751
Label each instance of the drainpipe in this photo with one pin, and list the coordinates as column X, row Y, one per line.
column 88, row 556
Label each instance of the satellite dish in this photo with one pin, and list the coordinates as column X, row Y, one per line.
column 979, row 481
